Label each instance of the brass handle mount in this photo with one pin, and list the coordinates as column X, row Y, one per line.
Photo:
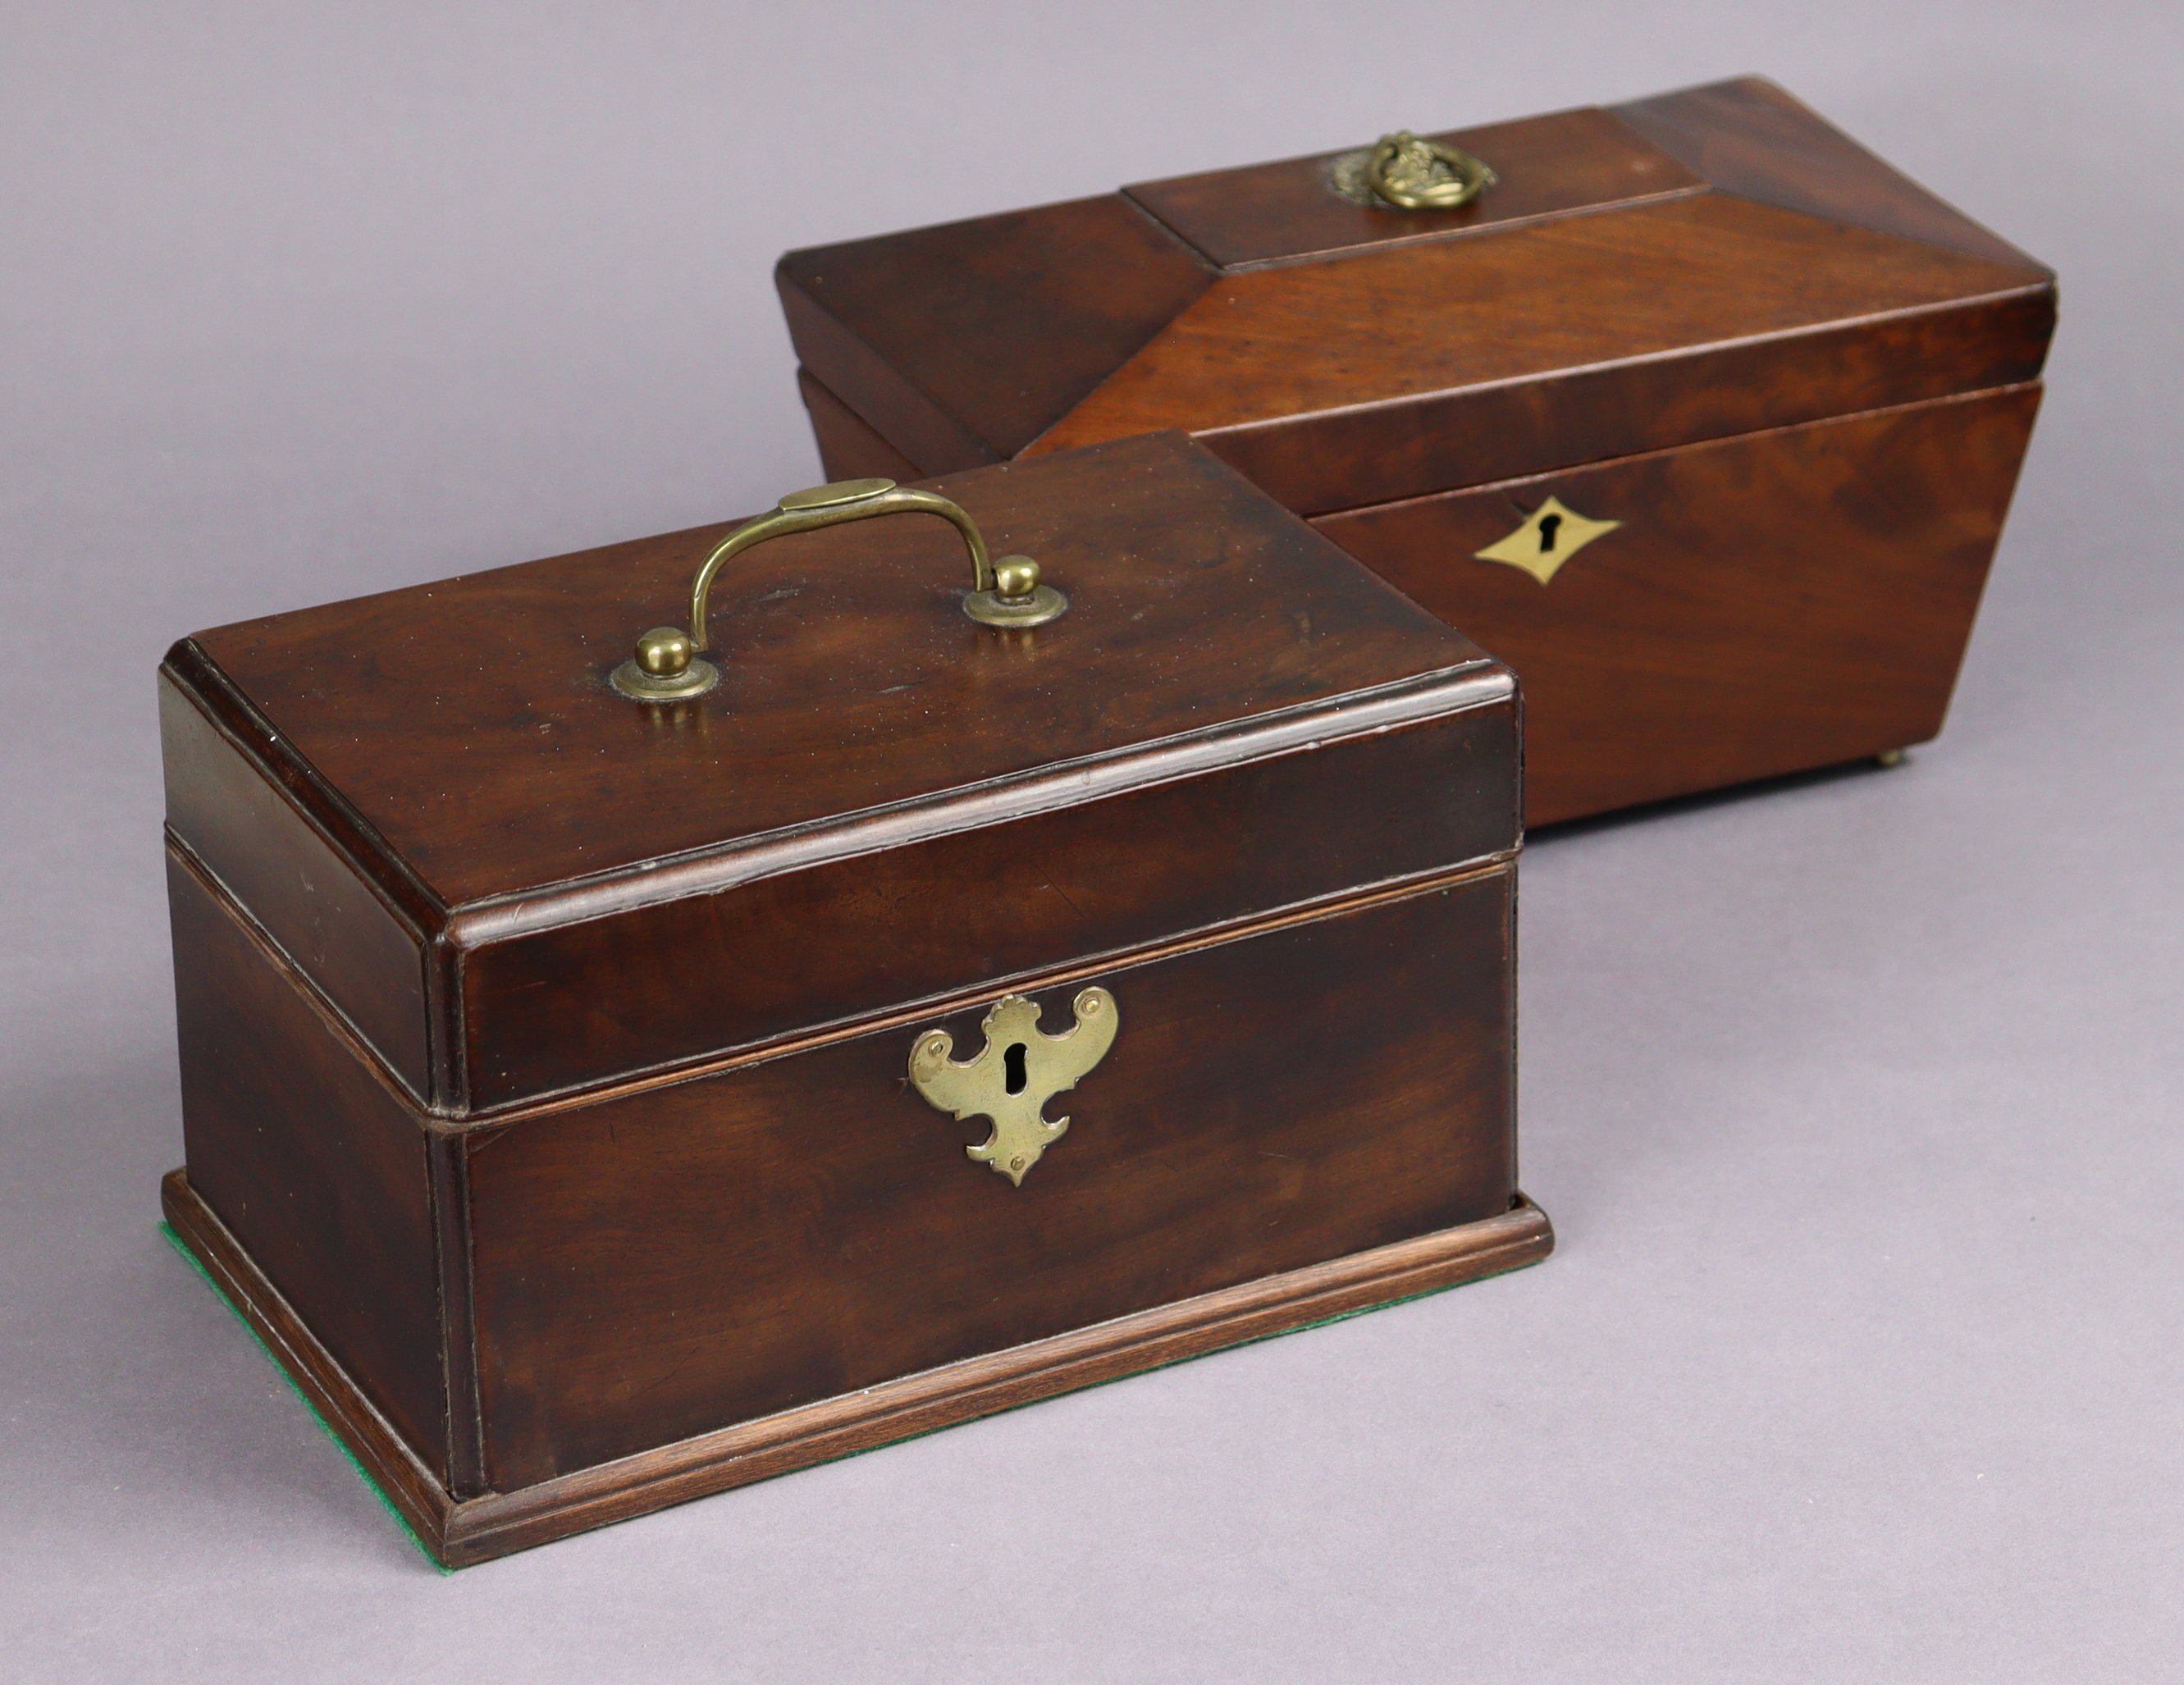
column 667, row 667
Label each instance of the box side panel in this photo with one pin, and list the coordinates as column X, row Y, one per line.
column 836, row 942
column 974, row 338
column 849, row 447
column 660, row 1265
column 909, row 419
column 1786, row 600
column 313, row 1165
column 357, row 951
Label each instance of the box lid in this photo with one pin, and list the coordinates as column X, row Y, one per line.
column 1683, row 268
column 882, row 801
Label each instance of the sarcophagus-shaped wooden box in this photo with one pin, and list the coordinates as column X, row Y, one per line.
column 1694, row 412
column 928, row 982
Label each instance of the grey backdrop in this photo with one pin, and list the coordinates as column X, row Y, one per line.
column 1855, row 1102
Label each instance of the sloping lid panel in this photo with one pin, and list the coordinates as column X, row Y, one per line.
column 964, row 343
column 1672, row 298
column 1725, row 230
column 1752, row 138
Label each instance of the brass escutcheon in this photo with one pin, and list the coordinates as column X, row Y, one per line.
column 1547, row 539
column 1019, row 1069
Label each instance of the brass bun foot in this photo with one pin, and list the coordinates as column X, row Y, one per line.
column 1890, row 758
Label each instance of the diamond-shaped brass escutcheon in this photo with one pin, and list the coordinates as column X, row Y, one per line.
column 1550, row 536
column 1013, row 1076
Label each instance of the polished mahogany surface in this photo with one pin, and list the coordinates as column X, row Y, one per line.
column 656, row 1266
column 470, row 725
column 315, row 1164
column 1721, row 257
column 882, row 801
column 1779, row 601
column 1677, row 284
column 1645, row 287
column 1547, row 166
column 666, row 979
column 989, row 331
column 258, row 840
column 849, row 447
column 667, row 1214
column 1753, row 138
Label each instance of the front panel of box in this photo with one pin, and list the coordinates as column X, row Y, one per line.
column 657, row 1266
column 1692, row 618
column 966, row 909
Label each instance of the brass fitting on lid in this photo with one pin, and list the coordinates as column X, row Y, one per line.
column 1008, row 593
column 664, row 668
column 1016, row 599
column 664, row 652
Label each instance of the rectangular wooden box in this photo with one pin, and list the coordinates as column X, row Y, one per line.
column 1798, row 386
column 547, row 1058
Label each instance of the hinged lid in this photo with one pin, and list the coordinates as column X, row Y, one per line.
column 1701, row 265
column 881, row 801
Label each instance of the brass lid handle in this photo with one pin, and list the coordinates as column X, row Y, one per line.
column 1404, row 171
column 666, row 668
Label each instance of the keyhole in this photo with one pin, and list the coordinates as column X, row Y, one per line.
column 1547, row 532
column 1012, row 1064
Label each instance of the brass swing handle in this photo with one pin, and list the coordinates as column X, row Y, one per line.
column 1415, row 174
column 666, row 667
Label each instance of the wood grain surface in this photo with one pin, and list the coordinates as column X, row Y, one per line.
column 964, row 343
column 1704, row 266
column 1786, row 600
column 1709, row 262
column 849, row 447
column 415, row 1488
column 672, row 1216
column 470, row 720
column 831, row 941
column 652, row 1267
column 462, row 1533
column 1750, row 137
column 882, row 801
column 1548, row 166
column 316, row 1166
column 246, row 831
column 481, row 1313
column 1645, row 301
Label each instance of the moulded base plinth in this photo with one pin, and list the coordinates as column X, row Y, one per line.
column 463, row 1531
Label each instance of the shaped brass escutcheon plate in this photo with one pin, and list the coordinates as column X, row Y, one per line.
column 1547, row 539
column 1018, row 1070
